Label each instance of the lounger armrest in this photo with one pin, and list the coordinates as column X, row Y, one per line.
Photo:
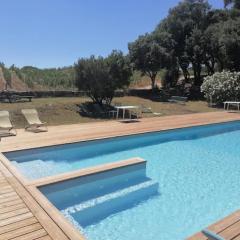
column 211, row 235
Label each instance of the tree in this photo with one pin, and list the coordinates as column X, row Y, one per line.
column 100, row 77
column 236, row 3
column 182, row 22
column 171, row 73
column 214, row 57
column 230, row 39
column 148, row 56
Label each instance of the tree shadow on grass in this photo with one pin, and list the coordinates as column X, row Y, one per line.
column 96, row 111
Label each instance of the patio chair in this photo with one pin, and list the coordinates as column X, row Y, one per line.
column 6, row 127
column 211, row 236
column 34, row 123
column 149, row 110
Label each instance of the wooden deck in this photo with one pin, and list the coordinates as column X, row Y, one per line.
column 89, row 131
column 228, row 228
column 21, row 217
column 25, row 214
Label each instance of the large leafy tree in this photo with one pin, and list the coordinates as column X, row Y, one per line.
column 100, row 77
column 148, row 56
column 183, row 23
column 230, row 39
column 236, row 3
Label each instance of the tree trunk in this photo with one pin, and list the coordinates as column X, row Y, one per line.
column 197, row 68
column 153, row 80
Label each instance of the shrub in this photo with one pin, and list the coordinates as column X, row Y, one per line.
column 222, row 86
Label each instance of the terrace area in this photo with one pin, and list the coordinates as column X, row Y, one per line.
column 24, row 216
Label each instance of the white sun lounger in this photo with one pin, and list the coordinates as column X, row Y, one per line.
column 34, row 123
column 6, row 127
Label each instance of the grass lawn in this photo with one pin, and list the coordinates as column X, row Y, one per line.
column 56, row 111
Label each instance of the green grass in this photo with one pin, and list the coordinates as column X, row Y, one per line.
column 56, row 111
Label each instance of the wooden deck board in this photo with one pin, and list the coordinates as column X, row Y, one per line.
column 12, row 208
column 15, row 226
column 32, row 235
column 228, row 227
column 21, row 231
column 88, row 131
column 22, row 217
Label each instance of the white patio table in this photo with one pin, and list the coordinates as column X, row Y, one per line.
column 124, row 108
column 228, row 103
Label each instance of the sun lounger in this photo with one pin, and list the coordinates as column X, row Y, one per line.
column 211, row 236
column 6, row 127
column 178, row 99
column 34, row 123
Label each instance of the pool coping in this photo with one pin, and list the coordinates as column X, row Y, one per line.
column 85, row 172
column 195, row 123
column 54, row 214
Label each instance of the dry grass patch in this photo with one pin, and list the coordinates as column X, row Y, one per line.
column 56, row 111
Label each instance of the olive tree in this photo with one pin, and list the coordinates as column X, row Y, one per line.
column 147, row 56
column 100, row 77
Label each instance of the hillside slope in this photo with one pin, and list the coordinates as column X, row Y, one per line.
column 2, row 80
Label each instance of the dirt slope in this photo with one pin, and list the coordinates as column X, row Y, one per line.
column 15, row 84
column 2, row 80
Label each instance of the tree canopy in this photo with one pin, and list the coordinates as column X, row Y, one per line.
column 194, row 38
column 100, row 77
column 148, row 56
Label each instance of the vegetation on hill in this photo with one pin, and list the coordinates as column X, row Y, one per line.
column 193, row 41
column 34, row 78
column 194, row 37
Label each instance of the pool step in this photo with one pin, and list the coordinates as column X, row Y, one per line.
column 96, row 209
column 41, row 168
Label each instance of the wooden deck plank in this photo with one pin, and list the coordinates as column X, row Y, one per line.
column 17, row 225
column 10, row 203
column 7, row 195
column 45, row 238
column 12, row 198
column 232, row 231
column 237, row 237
column 14, row 213
column 32, row 235
column 219, row 226
column 21, row 231
column 15, row 219
column 6, row 189
column 12, row 208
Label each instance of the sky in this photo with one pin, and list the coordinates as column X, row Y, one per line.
column 55, row 33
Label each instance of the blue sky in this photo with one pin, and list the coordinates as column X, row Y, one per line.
column 53, row 33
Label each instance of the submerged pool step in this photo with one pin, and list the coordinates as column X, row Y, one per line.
column 96, row 209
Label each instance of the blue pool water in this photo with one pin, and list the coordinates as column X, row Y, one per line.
column 197, row 171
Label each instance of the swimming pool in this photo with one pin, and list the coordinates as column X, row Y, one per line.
column 197, row 171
